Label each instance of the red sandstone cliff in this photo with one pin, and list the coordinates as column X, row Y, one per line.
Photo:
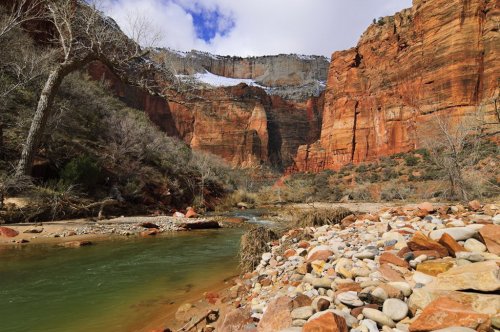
column 242, row 124
column 438, row 56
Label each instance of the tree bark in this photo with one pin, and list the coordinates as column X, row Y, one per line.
column 42, row 114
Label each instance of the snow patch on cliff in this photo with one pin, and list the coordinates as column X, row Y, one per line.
column 218, row 81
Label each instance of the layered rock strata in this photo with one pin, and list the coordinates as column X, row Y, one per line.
column 439, row 58
column 241, row 124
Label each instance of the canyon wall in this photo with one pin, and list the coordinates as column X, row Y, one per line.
column 241, row 124
column 271, row 71
column 438, row 58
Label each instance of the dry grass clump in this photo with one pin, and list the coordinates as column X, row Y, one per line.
column 320, row 217
column 254, row 243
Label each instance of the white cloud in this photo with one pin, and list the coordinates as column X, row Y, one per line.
column 261, row 27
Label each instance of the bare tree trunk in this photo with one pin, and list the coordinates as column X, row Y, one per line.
column 42, row 114
column 40, row 120
column 1, row 139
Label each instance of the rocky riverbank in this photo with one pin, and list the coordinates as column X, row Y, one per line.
column 78, row 232
column 414, row 268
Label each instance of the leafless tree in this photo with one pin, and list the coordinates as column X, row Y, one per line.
column 82, row 34
column 20, row 12
column 454, row 147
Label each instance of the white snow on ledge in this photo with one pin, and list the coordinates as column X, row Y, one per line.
column 217, row 81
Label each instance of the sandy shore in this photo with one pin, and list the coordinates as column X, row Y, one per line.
column 87, row 230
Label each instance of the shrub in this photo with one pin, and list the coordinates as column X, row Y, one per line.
column 411, row 160
column 320, row 217
column 253, row 244
column 82, row 171
column 396, row 191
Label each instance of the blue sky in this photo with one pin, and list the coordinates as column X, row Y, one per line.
column 256, row 27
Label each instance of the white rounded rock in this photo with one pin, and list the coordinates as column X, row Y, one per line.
column 395, row 309
column 458, row 233
column 378, row 316
column 302, row 313
column 474, row 245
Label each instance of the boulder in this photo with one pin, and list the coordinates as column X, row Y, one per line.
column 481, row 303
column 434, row 268
column 450, row 244
column 482, row 276
column 326, row 322
column 387, row 257
column 426, row 206
column 199, row 224
column 458, row 233
column 475, row 205
column 33, row 230
column 491, row 237
column 474, row 245
column 75, row 244
column 319, row 253
column 191, row 213
column 277, row 315
column 395, row 309
column 421, row 242
column 444, row 312
column 8, row 232
column 235, row 321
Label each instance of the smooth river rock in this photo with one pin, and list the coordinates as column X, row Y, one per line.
column 395, row 309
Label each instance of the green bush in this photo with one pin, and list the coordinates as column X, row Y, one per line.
column 82, row 171
column 411, row 160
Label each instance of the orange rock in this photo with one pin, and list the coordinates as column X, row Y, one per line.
column 191, row 213
column 289, row 253
column 389, row 273
column 426, row 206
column 351, row 286
column 303, row 244
column 236, row 320
column 320, row 255
column 347, row 221
column 421, row 242
column 491, row 237
column 474, row 205
column 277, row 316
column 431, row 254
column 450, row 244
column 387, row 257
column 8, row 232
column 327, row 322
column 443, row 313
column 434, row 268
column 150, row 232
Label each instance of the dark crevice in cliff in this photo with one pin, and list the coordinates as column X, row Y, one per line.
column 357, row 59
column 355, row 123
column 275, row 142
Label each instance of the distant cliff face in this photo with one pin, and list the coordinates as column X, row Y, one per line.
column 290, row 76
column 439, row 56
column 242, row 124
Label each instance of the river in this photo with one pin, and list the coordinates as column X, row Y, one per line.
column 115, row 285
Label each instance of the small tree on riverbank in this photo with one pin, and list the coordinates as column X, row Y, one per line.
column 80, row 35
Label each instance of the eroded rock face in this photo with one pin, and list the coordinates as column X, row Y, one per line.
column 438, row 58
column 271, row 71
column 241, row 124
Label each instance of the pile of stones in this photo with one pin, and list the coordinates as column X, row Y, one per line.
column 413, row 268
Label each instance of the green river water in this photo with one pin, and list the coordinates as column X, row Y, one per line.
column 115, row 285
